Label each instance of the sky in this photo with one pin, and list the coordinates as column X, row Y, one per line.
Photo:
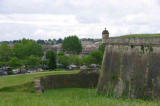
column 53, row 19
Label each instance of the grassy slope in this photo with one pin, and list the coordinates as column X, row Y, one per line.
column 142, row 35
column 67, row 97
column 15, row 95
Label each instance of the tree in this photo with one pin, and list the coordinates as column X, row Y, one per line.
column 2, row 63
column 59, row 41
column 51, row 42
column 97, row 56
column 64, row 60
column 75, row 59
column 72, row 44
column 33, row 62
column 5, row 52
column 14, row 62
column 60, row 53
column 15, row 41
column 87, row 60
column 94, row 57
column 26, row 48
column 51, row 57
column 42, row 42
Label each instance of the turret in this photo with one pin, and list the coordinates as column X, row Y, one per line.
column 105, row 36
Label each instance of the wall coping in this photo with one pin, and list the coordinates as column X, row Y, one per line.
column 155, row 41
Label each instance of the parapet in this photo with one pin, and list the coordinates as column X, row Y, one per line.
column 132, row 41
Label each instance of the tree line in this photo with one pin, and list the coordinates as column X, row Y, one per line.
column 29, row 53
column 51, row 41
column 23, row 53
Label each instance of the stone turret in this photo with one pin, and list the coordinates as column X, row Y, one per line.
column 105, row 36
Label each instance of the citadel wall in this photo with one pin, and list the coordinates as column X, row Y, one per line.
column 131, row 67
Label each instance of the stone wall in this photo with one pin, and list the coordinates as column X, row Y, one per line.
column 131, row 67
column 133, row 41
column 84, row 79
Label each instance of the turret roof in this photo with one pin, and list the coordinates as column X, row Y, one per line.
column 105, row 31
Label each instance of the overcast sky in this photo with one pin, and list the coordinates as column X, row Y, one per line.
column 44, row 19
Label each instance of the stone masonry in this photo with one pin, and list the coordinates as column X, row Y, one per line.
column 131, row 67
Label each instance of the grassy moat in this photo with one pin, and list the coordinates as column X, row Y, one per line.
column 17, row 90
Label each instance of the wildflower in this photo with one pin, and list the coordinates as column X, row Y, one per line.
column 119, row 78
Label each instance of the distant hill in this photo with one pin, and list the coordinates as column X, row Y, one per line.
column 141, row 35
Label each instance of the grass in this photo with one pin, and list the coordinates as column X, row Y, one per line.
column 16, row 91
column 142, row 35
column 67, row 97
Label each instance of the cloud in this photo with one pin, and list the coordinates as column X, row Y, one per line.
column 44, row 19
column 39, row 26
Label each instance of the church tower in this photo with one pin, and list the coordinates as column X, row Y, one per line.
column 105, row 36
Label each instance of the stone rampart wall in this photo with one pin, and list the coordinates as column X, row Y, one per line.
column 82, row 79
column 131, row 67
column 133, row 41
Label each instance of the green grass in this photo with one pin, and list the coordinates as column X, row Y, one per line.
column 141, row 35
column 67, row 97
column 16, row 91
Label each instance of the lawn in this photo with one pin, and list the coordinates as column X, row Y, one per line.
column 17, row 90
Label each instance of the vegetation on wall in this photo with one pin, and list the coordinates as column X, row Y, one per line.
column 101, row 48
column 146, row 48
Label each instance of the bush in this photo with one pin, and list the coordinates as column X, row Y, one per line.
column 10, row 73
